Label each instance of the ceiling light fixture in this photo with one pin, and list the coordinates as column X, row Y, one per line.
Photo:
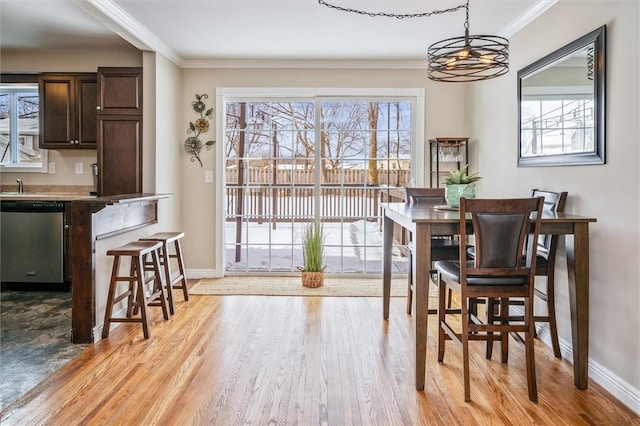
column 457, row 59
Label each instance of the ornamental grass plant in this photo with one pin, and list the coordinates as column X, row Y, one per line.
column 313, row 246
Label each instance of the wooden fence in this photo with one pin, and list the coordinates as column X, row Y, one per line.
column 307, row 176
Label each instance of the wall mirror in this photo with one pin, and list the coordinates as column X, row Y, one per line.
column 561, row 105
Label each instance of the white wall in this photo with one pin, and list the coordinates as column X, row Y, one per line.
column 608, row 192
column 444, row 111
column 163, row 132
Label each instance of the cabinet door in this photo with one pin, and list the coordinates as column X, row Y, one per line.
column 67, row 110
column 120, row 91
column 86, row 101
column 119, row 154
column 57, row 111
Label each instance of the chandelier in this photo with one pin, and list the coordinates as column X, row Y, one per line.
column 457, row 59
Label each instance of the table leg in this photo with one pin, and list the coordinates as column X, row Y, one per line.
column 387, row 249
column 577, row 250
column 421, row 265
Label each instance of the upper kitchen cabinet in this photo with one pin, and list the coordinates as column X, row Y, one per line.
column 120, row 91
column 67, row 110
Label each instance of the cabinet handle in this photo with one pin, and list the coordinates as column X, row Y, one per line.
column 98, row 108
column 72, row 142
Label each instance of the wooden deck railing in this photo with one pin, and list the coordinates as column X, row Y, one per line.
column 297, row 204
column 292, row 199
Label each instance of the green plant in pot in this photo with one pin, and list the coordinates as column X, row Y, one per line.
column 313, row 252
column 460, row 184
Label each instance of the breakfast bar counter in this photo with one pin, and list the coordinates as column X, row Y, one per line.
column 90, row 220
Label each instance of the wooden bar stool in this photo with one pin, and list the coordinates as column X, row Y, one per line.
column 179, row 281
column 137, row 295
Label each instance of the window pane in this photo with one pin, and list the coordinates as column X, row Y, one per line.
column 28, row 128
column 5, row 125
column 19, row 126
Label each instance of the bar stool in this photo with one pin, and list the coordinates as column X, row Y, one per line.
column 137, row 295
column 167, row 238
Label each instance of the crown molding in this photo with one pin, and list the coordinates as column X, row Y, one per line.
column 304, row 64
column 123, row 24
column 527, row 17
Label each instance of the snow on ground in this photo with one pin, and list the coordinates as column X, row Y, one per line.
column 350, row 247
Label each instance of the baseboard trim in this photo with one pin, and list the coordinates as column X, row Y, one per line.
column 203, row 273
column 612, row 383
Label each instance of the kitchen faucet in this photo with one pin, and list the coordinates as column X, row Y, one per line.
column 20, row 186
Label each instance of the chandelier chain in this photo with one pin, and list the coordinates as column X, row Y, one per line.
column 395, row 15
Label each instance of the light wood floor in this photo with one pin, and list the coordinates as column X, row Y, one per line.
column 299, row 361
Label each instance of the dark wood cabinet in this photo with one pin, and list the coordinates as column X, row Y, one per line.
column 119, row 154
column 119, row 131
column 120, row 91
column 68, row 110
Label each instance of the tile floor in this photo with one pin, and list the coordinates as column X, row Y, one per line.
column 35, row 340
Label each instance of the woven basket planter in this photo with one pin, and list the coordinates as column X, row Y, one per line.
column 312, row 279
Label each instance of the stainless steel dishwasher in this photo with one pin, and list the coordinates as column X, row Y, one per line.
column 32, row 241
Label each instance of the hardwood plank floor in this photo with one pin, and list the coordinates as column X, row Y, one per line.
column 224, row 360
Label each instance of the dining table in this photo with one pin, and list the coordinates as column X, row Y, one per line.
column 424, row 221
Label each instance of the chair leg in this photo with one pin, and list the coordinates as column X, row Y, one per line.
column 551, row 311
column 491, row 319
column 159, row 284
column 529, row 353
column 183, row 273
column 164, row 262
column 504, row 336
column 142, row 297
column 441, row 318
column 465, row 350
column 110, row 297
column 132, row 308
column 409, row 283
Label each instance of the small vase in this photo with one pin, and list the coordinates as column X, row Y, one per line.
column 453, row 193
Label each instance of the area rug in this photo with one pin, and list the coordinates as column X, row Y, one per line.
column 291, row 286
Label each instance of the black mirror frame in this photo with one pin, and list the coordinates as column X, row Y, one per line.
column 598, row 37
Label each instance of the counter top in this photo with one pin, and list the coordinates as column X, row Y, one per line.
column 46, row 192
column 86, row 198
column 51, row 196
column 123, row 198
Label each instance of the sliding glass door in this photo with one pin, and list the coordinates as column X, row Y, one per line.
column 291, row 162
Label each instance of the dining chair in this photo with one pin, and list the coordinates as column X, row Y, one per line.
column 502, row 228
column 545, row 267
column 443, row 247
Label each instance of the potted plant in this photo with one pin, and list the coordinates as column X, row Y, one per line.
column 313, row 251
column 460, row 184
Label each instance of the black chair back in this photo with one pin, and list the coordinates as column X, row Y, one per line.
column 424, row 195
column 502, row 228
column 553, row 202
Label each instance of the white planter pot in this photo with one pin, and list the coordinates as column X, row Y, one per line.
column 453, row 193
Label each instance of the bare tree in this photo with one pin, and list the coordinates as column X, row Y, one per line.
column 373, row 143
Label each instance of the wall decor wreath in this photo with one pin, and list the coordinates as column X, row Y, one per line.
column 193, row 144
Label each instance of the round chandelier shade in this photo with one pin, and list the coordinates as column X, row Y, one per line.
column 458, row 59
column 468, row 58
